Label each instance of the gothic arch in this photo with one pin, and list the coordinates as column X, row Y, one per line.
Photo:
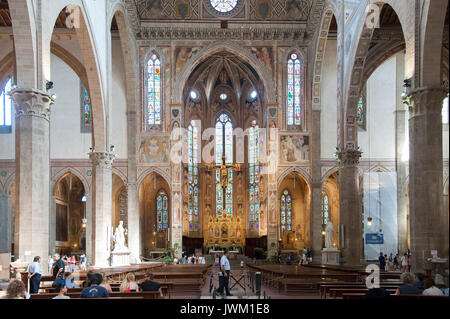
column 220, row 46
column 157, row 170
column 329, row 173
column 302, row 172
column 57, row 177
column 121, row 175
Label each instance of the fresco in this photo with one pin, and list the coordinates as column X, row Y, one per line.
column 152, row 149
column 294, row 148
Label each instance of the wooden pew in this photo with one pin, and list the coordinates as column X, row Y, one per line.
column 117, row 295
column 394, row 297
column 324, row 288
column 338, row 292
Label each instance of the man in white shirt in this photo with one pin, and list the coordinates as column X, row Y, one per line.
column 34, row 274
column 225, row 280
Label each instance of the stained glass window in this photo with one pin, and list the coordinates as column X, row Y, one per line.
column 6, row 108
column 162, row 214
column 86, row 111
column 223, row 5
column 253, row 159
column 123, row 208
column 294, row 75
column 286, row 212
column 153, row 90
column 224, row 146
column 325, row 208
column 361, row 112
column 193, row 177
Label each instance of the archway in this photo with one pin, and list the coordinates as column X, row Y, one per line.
column 154, row 208
column 119, row 205
column 294, row 199
column 330, row 205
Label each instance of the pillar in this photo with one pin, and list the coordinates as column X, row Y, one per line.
column 32, row 107
column 400, row 156
column 5, row 223
column 101, row 222
column 350, row 208
column 425, row 175
column 316, row 190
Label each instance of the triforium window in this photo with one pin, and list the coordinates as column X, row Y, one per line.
column 294, row 90
column 223, row 5
column 86, row 110
column 123, row 208
column 162, row 214
column 325, row 208
column 253, row 160
column 286, row 211
column 361, row 111
column 6, row 108
column 224, row 146
column 154, row 97
column 193, row 176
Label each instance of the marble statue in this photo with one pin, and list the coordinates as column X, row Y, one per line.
column 329, row 232
column 119, row 238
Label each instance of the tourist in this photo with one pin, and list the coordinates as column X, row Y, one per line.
column 34, row 274
column 129, row 283
column 61, row 289
column 407, row 287
column 382, row 261
column 50, row 265
column 288, row 260
column 149, row 285
column 309, row 256
column 15, row 290
column 68, row 280
column 216, row 260
column 83, row 262
column 304, row 258
column 225, row 270
column 430, row 288
column 58, row 269
column 409, row 260
column 396, row 262
column 72, row 263
column 390, row 262
column 446, row 292
column 418, row 280
column 95, row 290
column 105, row 284
column 193, row 259
column 404, row 262
column 175, row 261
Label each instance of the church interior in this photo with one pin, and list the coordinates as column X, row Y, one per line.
column 306, row 137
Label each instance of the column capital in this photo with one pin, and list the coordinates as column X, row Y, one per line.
column 349, row 157
column 426, row 99
column 31, row 102
column 102, row 159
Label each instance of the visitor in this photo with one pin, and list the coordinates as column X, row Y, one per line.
column 86, row 283
column 396, row 262
column 83, row 262
column 105, row 284
column 409, row 260
column 34, row 274
column 72, row 263
column 404, row 262
column 61, row 289
column 68, row 280
column 304, row 258
column 418, row 280
column 94, row 290
column 430, row 288
column 225, row 271
column 149, row 285
column 382, row 261
column 50, row 265
column 58, row 270
column 407, row 287
column 15, row 290
column 184, row 260
column 288, row 260
column 446, row 292
column 390, row 262
column 129, row 283
column 216, row 260
column 175, row 261
column 193, row 259
column 309, row 256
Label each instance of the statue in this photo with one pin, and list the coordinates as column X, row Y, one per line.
column 329, row 230
column 119, row 238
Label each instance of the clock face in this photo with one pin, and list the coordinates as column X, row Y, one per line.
column 223, row 6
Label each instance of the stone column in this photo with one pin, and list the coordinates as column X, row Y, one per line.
column 316, row 190
column 101, row 222
column 52, row 225
column 134, row 242
column 32, row 173
column 350, row 208
column 425, row 175
column 5, row 223
column 400, row 163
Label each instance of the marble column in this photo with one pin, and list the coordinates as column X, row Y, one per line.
column 32, row 108
column 400, row 156
column 316, row 190
column 101, row 221
column 350, row 208
column 425, row 175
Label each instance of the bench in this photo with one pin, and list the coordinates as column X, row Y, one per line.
column 399, row 297
column 117, row 295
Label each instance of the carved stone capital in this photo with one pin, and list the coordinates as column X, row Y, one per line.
column 349, row 157
column 31, row 102
column 427, row 100
column 102, row 159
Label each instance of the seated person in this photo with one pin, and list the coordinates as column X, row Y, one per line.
column 446, row 292
column 407, row 287
column 68, row 280
column 377, row 293
column 61, row 289
column 149, row 285
column 105, row 284
column 430, row 288
column 129, row 284
column 419, row 277
column 95, row 290
column 15, row 290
